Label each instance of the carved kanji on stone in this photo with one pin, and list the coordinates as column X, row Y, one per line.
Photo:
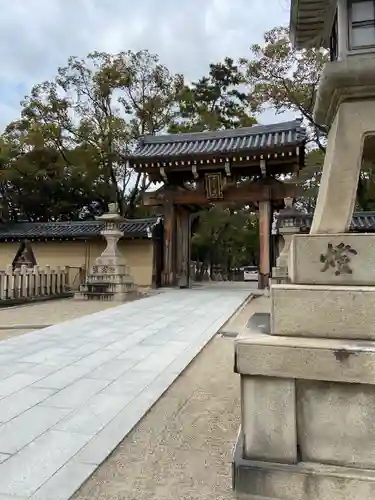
column 338, row 257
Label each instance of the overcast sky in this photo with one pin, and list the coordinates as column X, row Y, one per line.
column 37, row 36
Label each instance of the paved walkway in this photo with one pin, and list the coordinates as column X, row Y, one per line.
column 71, row 392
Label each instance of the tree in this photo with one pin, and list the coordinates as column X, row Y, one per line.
column 217, row 101
column 309, row 180
column 35, row 184
column 286, row 79
column 226, row 236
column 95, row 109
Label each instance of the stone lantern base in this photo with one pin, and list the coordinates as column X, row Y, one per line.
column 308, row 384
column 109, row 282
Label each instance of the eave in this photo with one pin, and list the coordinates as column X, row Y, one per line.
column 311, row 23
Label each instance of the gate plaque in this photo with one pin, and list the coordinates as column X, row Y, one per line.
column 214, row 186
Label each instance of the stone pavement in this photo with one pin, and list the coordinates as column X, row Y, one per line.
column 71, row 392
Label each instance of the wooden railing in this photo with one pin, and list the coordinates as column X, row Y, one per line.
column 28, row 283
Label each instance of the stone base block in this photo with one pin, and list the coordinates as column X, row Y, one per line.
column 269, row 417
column 332, row 259
column 110, row 269
column 323, row 311
column 254, row 480
column 334, row 360
column 116, row 297
column 310, row 400
column 108, row 287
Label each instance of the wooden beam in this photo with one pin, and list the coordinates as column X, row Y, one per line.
column 183, row 246
column 244, row 158
column 284, row 165
column 265, row 214
column 252, row 193
column 169, row 267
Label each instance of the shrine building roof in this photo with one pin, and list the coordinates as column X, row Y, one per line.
column 260, row 140
column 311, row 22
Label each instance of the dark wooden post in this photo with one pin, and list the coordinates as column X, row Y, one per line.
column 169, row 251
column 265, row 216
column 183, row 247
column 157, row 263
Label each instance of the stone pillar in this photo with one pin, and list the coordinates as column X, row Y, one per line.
column 347, row 108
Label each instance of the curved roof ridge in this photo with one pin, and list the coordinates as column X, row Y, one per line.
column 221, row 134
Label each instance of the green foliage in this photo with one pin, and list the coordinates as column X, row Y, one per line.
column 217, row 101
column 286, row 79
column 309, row 179
column 226, row 236
column 83, row 124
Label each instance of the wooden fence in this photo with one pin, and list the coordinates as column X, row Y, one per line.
column 29, row 283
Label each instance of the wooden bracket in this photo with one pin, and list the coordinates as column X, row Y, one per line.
column 263, row 169
column 163, row 174
column 195, row 172
column 227, row 169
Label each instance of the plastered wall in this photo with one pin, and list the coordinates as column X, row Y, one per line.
column 82, row 254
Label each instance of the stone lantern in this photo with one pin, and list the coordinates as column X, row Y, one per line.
column 110, row 277
column 289, row 223
column 112, row 233
column 345, row 101
column 307, row 375
column 345, row 27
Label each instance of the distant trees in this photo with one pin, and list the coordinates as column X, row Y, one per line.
column 217, row 101
column 227, row 236
column 66, row 155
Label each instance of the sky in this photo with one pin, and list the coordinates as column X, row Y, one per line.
column 38, row 36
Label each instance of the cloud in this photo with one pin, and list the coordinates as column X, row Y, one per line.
column 38, row 36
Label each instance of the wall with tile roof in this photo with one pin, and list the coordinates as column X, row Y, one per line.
column 361, row 222
column 132, row 228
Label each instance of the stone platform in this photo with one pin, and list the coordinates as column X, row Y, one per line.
column 256, row 480
column 307, row 384
column 71, row 392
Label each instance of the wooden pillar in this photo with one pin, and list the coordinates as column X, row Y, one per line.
column 265, row 220
column 157, row 264
column 183, row 219
column 169, row 251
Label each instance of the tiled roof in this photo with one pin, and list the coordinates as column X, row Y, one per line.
column 259, row 137
column 133, row 228
column 361, row 222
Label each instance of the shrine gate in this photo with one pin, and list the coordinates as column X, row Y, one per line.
column 244, row 165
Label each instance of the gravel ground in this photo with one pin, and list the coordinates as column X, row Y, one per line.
column 47, row 313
